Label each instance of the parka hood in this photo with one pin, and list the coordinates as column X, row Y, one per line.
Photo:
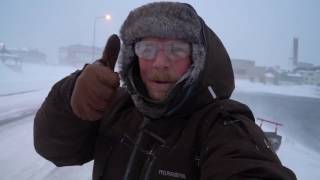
column 211, row 65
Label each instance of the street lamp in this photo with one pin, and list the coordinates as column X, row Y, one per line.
column 107, row 17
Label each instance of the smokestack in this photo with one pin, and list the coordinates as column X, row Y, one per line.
column 295, row 51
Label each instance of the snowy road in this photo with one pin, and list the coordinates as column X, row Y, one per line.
column 18, row 105
column 21, row 94
column 19, row 161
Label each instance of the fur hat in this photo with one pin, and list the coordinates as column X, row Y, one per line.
column 163, row 20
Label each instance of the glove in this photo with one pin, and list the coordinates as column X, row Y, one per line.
column 97, row 84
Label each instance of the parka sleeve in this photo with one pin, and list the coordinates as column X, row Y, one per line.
column 59, row 135
column 235, row 148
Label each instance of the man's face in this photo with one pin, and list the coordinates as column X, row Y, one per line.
column 162, row 63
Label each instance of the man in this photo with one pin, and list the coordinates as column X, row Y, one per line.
column 172, row 119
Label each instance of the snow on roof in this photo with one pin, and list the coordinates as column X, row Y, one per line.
column 294, row 75
column 25, row 49
column 269, row 75
column 6, row 55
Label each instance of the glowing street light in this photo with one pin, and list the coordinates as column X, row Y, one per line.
column 107, row 17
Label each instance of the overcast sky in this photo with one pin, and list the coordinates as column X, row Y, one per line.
column 259, row 30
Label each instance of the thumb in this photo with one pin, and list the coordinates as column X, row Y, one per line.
column 111, row 51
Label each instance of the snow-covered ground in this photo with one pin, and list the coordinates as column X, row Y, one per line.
column 289, row 90
column 21, row 94
column 303, row 161
column 19, row 160
column 32, row 77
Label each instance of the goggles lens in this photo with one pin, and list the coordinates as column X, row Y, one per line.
column 173, row 49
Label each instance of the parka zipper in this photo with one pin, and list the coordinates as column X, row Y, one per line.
column 134, row 152
column 147, row 167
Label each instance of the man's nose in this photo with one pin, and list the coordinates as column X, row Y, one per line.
column 161, row 60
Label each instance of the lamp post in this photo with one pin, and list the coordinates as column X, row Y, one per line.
column 107, row 17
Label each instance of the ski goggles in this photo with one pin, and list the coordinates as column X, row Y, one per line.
column 148, row 49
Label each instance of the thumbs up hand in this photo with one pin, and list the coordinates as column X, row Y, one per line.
column 97, row 84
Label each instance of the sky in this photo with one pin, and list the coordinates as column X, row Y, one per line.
column 262, row 30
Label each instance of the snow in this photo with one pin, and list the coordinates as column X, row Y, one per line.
column 294, row 75
column 303, row 161
column 20, row 161
column 30, row 77
column 21, row 94
column 29, row 86
column 288, row 90
column 269, row 75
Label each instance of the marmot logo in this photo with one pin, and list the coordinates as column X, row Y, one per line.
column 172, row 174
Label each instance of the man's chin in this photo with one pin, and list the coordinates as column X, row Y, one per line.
column 158, row 96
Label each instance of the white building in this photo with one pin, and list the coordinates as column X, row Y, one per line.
column 78, row 55
column 310, row 76
column 246, row 69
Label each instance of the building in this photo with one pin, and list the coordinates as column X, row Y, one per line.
column 33, row 56
column 305, row 65
column 291, row 79
column 242, row 68
column 78, row 55
column 310, row 76
column 296, row 63
column 6, row 55
column 9, row 59
column 19, row 56
column 258, row 74
column 295, row 51
column 278, row 76
column 246, row 69
column 302, row 72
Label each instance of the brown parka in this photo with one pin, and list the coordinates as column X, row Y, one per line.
column 206, row 138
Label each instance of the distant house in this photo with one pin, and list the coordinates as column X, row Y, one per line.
column 310, row 75
column 77, row 55
column 19, row 56
column 291, row 78
column 30, row 56
column 258, row 74
column 273, row 75
column 8, row 58
column 270, row 78
column 277, row 76
column 242, row 68
column 305, row 65
column 246, row 69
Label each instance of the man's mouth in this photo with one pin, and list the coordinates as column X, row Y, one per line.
column 161, row 82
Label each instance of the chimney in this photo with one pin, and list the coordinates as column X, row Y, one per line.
column 295, row 51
